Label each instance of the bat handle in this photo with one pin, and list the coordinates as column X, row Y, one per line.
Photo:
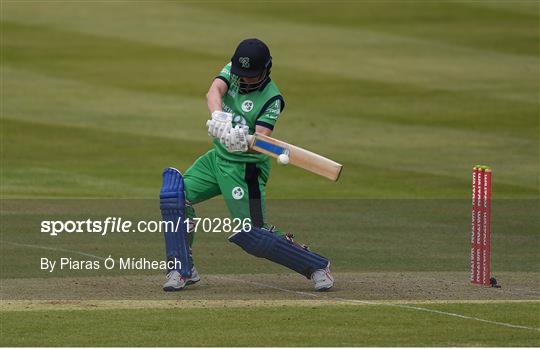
column 251, row 140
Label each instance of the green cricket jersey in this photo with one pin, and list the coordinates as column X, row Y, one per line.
column 260, row 107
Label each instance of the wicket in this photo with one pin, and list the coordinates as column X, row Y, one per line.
column 481, row 226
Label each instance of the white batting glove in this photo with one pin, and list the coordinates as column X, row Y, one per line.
column 220, row 124
column 236, row 140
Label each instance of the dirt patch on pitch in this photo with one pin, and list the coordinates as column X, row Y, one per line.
column 33, row 305
column 406, row 286
column 42, row 305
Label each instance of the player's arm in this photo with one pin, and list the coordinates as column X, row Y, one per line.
column 215, row 95
column 263, row 130
column 220, row 122
column 268, row 118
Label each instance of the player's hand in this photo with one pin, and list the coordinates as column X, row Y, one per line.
column 220, row 124
column 236, row 140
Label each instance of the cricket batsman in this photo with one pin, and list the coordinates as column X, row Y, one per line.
column 242, row 100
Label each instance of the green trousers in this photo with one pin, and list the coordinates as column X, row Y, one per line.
column 241, row 184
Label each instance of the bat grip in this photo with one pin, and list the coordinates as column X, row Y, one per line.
column 251, row 140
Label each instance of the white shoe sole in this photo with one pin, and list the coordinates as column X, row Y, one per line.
column 324, row 288
column 192, row 281
column 173, row 289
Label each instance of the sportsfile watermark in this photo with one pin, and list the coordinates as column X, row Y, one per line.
column 76, row 266
column 122, row 225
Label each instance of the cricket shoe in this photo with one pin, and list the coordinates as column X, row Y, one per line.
column 176, row 282
column 322, row 279
column 194, row 277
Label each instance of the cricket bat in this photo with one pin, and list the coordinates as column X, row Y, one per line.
column 299, row 157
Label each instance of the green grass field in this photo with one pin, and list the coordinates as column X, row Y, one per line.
column 98, row 97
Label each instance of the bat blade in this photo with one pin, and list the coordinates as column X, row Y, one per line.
column 298, row 157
